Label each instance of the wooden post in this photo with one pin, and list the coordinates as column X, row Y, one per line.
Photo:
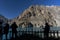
column 57, row 34
column 54, row 33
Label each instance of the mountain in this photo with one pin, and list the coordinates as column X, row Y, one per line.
column 3, row 19
column 38, row 16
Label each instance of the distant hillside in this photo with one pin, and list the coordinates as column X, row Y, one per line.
column 3, row 19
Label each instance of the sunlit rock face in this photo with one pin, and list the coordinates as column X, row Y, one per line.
column 55, row 11
column 38, row 16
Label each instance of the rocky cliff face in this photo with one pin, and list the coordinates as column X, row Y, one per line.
column 38, row 16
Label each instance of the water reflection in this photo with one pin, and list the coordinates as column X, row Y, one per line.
column 34, row 30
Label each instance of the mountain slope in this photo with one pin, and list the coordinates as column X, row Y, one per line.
column 37, row 15
column 3, row 19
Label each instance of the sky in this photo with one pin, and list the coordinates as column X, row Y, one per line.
column 12, row 8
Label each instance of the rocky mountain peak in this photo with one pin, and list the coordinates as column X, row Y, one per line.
column 38, row 15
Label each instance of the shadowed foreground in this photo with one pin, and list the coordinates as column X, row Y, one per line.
column 33, row 37
column 28, row 33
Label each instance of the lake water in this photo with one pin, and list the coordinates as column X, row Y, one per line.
column 27, row 29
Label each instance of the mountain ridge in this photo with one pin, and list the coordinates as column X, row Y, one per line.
column 39, row 15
